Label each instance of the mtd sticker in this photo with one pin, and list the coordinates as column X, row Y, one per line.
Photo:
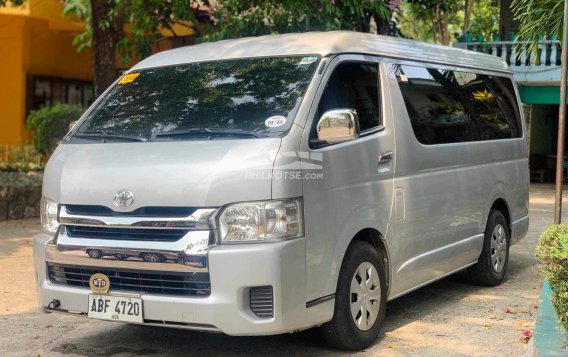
column 275, row 121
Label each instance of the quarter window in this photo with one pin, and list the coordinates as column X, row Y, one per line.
column 494, row 108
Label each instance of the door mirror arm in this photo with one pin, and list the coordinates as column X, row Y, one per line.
column 318, row 144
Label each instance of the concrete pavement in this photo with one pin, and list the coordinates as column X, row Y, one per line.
column 450, row 317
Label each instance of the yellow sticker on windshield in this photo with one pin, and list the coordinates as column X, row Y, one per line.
column 128, row 78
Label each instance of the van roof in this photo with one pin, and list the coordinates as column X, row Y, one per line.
column 324, row 44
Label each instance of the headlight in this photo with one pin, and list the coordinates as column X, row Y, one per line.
column 48, row 214
column 261, row 221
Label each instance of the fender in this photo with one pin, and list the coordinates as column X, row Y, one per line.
column 498, row 191
column 350, row 227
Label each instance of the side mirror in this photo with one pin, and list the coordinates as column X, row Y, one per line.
column 336, row 126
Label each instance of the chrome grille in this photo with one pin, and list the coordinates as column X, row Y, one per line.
column 262, row 301
column 149, row 282
column 101, row 232
column 142, row 218
column 150, row 211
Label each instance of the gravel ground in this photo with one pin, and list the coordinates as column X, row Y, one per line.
column 448, row 318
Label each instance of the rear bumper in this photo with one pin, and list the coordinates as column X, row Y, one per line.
column 233, row 270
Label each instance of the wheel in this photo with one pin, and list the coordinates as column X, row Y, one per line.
column 492, row 264
column 95, row 253
column 360, row 299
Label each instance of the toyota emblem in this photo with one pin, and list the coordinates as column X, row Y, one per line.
column 123, row 199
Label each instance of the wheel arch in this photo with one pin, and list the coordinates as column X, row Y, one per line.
column 376, row 239
column 499, row 198
column 500, row 204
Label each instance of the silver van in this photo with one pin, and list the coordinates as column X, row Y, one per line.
column 267, row 185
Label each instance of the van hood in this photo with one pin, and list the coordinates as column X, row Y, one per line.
column 183, row 173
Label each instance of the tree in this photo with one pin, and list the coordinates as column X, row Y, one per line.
column 485, row 19
column 430, row 20
column 507, row 21
column 539, row 17
column 439, row 13
column 468, row 11
column 105, row 35
column 238, row 18
column 419, row 19
column 13, row 3
column 147, row 20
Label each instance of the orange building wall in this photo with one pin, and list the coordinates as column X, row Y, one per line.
column 51, row 52
column 34, row 41
column 12, row 79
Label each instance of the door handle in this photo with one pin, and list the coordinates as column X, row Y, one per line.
column 385, row 157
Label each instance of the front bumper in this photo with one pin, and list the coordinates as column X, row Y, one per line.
column 233, row 270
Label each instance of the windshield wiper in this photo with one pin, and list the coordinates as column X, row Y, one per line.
column 208, row 133
column 103, row 135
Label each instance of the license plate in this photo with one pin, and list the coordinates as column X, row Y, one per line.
column 115, row 308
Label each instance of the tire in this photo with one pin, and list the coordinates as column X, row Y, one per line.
column 342, row 331
column 491, row 267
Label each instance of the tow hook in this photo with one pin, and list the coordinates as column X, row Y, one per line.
column 54, row 304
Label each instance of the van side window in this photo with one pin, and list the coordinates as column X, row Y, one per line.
column 494, row 109
column 436, row 104
column 354, row 85
column 447, row 106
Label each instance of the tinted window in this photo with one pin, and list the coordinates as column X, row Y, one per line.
column 354, row 86
column 436, row 105
column 198, row 99
column 453, row 106
column 494, row 110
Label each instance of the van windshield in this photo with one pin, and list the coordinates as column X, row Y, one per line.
column 244, row 98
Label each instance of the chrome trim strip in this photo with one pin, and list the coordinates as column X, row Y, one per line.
column 199, row 220
column 320, row 300
column 186, row 255
column 520, row 220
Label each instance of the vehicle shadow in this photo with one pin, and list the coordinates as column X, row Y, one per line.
column 142, row 340
column 448, row 291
